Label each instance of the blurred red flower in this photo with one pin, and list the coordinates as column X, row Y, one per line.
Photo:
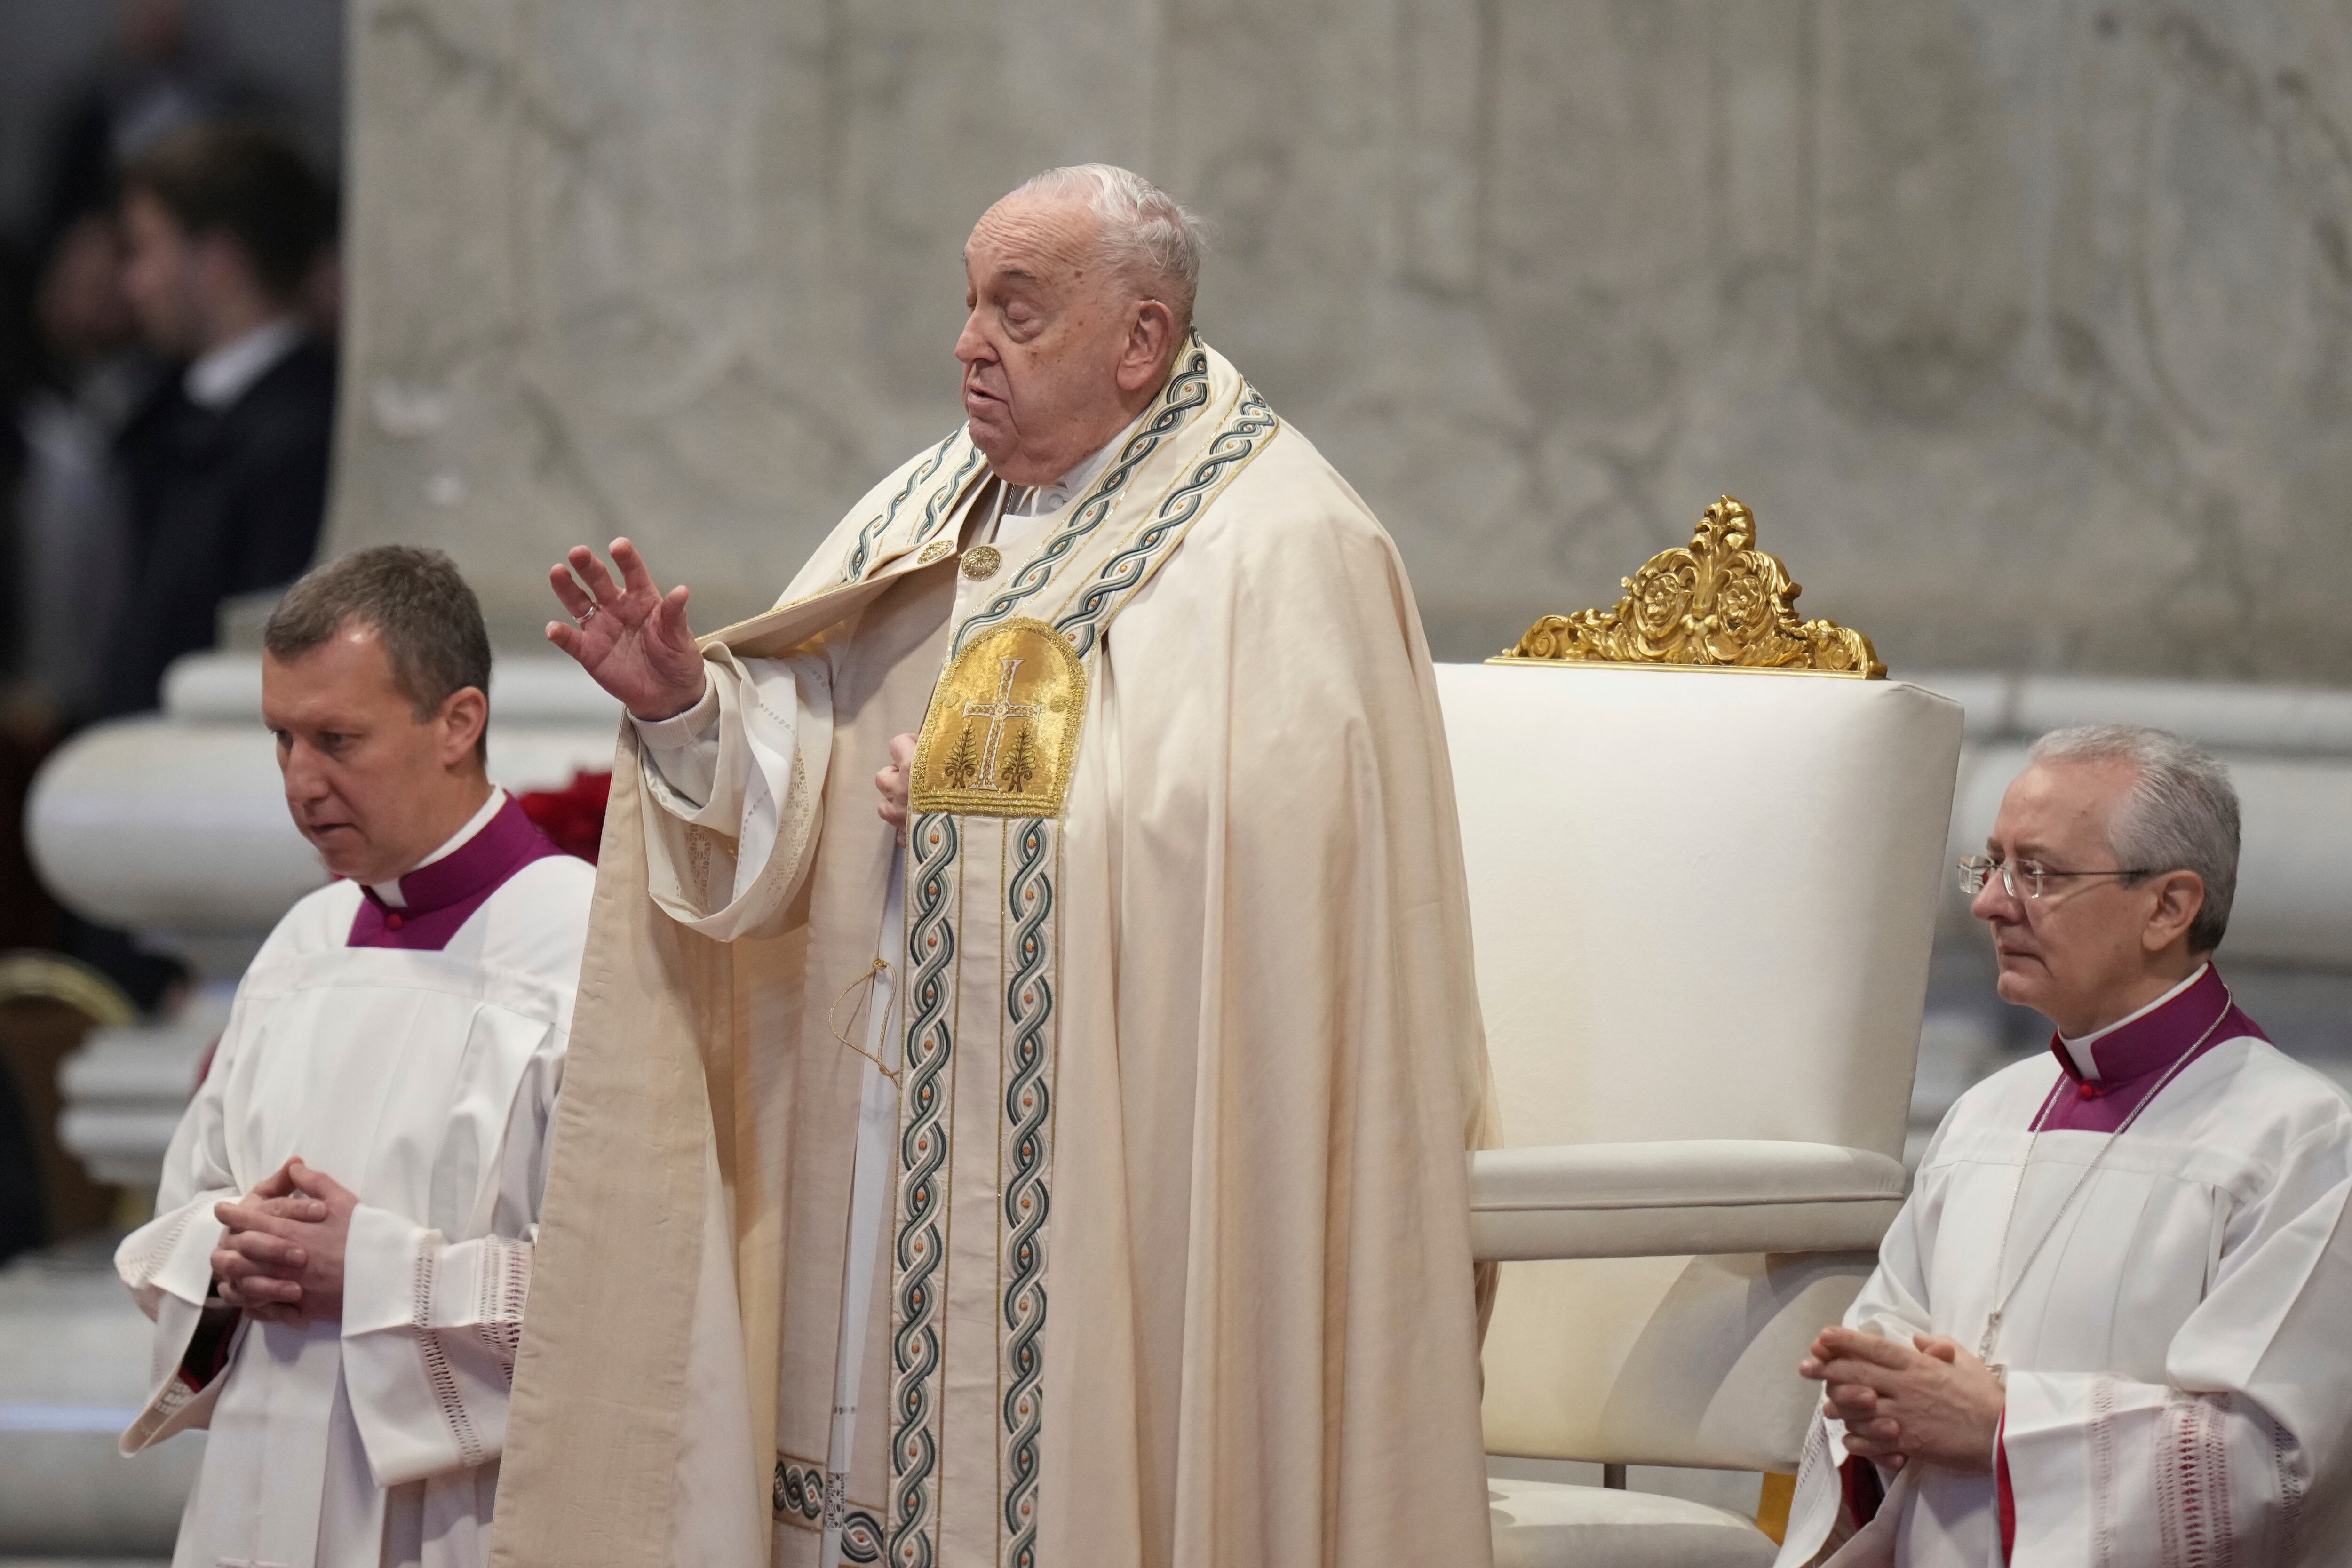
column 573, row 816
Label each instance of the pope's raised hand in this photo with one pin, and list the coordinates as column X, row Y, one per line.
column 630, row 635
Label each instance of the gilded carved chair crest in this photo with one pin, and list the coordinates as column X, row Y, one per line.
column 1719, row 603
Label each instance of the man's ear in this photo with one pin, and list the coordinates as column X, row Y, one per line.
column 2179, row 895
column 1150, row 339
column 464, row 715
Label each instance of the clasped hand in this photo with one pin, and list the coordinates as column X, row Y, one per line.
column 1936, row 1402
column 282, row 1259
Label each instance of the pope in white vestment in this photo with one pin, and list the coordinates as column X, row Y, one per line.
column 2178, row 1381
column 1083, row 1184
column 413, row 1053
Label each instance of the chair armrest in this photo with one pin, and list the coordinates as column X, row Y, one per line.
column 1668, row 1199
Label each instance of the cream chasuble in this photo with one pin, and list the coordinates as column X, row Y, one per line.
column 1178, row 1051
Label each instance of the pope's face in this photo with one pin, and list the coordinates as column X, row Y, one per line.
column 371, row 787
column 2068, row 953
column 1047, row 329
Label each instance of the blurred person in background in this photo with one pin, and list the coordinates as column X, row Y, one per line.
column 72, row 551
column 74, row 529
column 224, row 227
column 153, row 79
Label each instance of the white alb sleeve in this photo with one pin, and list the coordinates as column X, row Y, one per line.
column 167, row 1262
column 2227, row 1457
column 725, row 861
column 1892, row 1304
column 431, row 1326
column 684, row 747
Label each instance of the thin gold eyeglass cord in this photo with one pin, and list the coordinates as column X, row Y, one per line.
column 881, row 966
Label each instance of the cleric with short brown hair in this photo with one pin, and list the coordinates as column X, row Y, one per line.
column 342, row 1245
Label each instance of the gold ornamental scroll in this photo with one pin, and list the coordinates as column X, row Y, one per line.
column 1003, row 732
column 1719, row 603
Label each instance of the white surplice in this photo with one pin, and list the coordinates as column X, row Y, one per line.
column 424, row 1081
column 2178, row 1385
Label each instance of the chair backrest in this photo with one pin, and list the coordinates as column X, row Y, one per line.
column 1703, row 902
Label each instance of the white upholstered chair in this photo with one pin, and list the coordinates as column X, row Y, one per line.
column 1703, row 902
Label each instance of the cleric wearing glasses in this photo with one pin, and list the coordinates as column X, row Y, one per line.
column 2109, row 1325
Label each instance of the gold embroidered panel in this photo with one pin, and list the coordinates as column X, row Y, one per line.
column 1003, row 732
column 1719, row 603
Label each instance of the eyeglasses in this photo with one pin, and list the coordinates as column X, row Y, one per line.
column 2024, row 878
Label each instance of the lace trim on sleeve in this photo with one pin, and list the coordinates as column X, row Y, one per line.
column 148, row 1261
column 2286, row 1459
column 506, row 1285
column 2192, row 1486
column 2103, row 1472
column 439, row 1375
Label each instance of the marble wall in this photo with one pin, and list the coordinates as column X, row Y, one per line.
column 2024, row 325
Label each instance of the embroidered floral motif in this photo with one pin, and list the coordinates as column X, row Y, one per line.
column 1004, row 726
column 697, row 863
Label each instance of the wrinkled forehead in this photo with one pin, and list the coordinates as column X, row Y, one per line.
column 2062, row 807
column 1051, row 240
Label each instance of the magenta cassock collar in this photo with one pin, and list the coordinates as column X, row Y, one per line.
column 443, row 896
column 2132, row 1058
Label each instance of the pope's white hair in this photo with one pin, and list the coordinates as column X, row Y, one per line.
column 2180, row 813
column 1146, row 233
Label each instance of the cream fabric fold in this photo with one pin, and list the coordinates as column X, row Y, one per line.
column 726, row 866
